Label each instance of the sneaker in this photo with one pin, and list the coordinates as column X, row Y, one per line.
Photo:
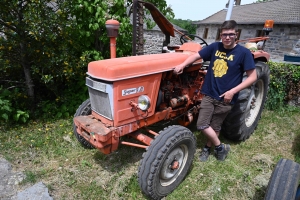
column 221, row 155
column 204, row 154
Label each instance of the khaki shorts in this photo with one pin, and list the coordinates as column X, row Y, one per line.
column 212, row 113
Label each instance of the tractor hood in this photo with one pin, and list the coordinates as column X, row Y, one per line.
column 134, row 66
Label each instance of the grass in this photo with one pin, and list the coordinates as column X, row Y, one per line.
column 48, row 152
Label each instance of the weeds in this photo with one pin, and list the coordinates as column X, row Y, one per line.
column 47, row 151
column 30, row 177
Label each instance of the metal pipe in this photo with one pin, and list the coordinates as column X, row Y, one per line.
column 151, row 132
column 134, row 145
column 113, row 47
column 141, row 137
column 229, row 11
column 134, row 27
column 112, row 27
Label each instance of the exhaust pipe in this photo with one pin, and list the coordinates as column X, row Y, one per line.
column 112, row 27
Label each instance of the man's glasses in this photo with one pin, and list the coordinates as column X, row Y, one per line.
column 231, row 35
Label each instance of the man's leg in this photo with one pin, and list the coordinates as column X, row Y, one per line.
column 220, row 113
column 221, row 150
column 214, row 111
column 212, row 137
column 204, row 118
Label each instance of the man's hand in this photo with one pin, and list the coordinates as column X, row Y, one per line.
column 246, row 83
column 178, row 69
column 192, row 58
column 228, row 96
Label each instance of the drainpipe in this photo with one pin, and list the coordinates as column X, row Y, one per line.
column 112, row 27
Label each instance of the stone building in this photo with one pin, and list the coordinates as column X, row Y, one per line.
column 154, row 38
column 251, row 19
column 151, row 41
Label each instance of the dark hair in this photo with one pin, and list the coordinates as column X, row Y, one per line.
column 229, row 24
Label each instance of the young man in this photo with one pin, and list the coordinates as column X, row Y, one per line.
column 223, row 81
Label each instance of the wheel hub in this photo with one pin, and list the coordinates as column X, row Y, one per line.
column 173, row 165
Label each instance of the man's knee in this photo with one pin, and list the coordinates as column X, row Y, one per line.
column 202, row 127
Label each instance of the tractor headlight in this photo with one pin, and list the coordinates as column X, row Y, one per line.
column 144, row 102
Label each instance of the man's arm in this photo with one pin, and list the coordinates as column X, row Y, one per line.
column 249, row 81
column 192, row 58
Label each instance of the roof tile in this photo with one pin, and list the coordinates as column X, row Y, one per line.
column 281, row 11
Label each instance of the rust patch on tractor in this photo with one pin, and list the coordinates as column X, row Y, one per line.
column 93, row 127
column 175, row 165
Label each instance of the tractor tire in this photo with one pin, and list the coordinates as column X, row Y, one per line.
column 284, row 181
column 167, row 161
column 245, row 114
column 83, row 109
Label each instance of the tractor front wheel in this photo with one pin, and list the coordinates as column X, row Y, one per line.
column 83, row 109
column 245, row 114
column 166, row 162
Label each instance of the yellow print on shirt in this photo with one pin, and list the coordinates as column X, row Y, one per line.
column 223, row 55
column 220, row 68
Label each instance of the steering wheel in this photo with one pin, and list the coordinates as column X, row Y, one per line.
column 184, row 39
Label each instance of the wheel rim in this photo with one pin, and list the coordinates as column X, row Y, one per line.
column 255, row 102
column 173, row 165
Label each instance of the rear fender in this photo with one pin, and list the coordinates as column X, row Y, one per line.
column 261, row 55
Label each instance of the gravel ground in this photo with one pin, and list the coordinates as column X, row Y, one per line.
column 10, row 185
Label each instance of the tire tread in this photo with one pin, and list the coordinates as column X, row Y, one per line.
column 83, row 109
column 155, row 154
column 284, row 181
column 234, row 126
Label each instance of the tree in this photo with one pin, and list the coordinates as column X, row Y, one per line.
column 36, row 44
column 46, row 44
column 92, row 15
column 185, row 24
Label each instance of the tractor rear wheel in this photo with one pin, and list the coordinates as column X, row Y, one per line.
column 245, row 114
column 284, row 181
column 166, row 162
column 83, row 109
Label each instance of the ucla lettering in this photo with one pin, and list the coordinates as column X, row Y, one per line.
column 223, row 55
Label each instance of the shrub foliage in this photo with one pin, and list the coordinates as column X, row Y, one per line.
column 45, row 46
column 284, row 85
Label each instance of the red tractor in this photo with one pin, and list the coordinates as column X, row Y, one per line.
column 128, row 94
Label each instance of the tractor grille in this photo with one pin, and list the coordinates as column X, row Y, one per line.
column 100, row 97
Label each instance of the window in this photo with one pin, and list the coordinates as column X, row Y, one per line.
column 205, row 33
column 239, row 35
column 260, row 33
column 218, row 38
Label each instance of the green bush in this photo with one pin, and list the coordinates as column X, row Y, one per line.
column 284, row 84
column 8, row 112
column 5, row 109
column 66, row 103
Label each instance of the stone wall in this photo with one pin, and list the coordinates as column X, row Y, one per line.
column 154, row 41
column 281, row 42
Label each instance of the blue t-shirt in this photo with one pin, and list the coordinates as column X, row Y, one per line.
column 226, row 69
